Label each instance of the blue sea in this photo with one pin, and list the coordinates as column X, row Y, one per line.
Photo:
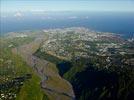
column 116, row 22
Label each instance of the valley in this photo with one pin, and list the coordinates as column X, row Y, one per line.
column 69, row 63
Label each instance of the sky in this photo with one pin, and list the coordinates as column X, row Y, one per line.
column 66, row 5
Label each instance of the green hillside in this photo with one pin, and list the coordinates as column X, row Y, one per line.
column 12, row 75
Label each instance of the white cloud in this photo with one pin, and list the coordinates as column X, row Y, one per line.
column 18, row 14
column 87, row 17
column 37, row 10
column 73, row 17
column 48, row 17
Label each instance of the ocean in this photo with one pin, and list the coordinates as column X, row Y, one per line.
column 116, row 22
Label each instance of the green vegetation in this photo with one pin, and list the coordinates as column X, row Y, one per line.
column 99, row 67
column 17, row 41
column 31, row 89
column 48, row 57
column 12, row 67
column 119, row 74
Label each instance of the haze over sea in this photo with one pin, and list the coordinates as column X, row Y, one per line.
column 116, row 22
